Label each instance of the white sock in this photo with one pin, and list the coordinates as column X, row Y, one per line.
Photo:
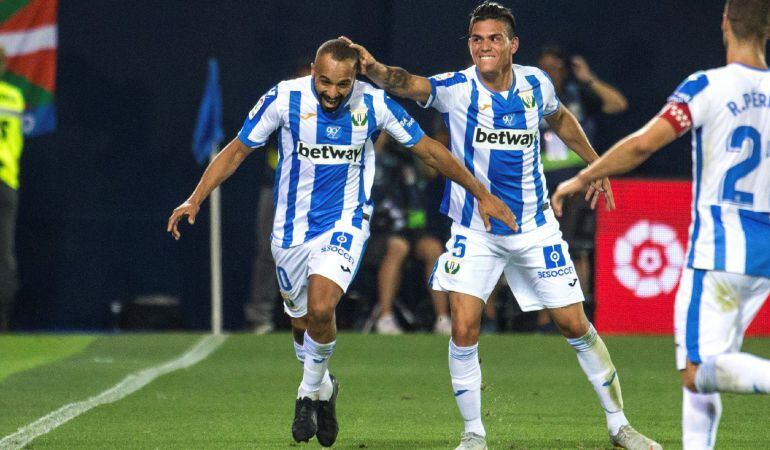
column 740, row 373
column 327, row 388
column 465, row 371
column 299, row 350
column 315, row 367
column 595, row 360
column 700, row 420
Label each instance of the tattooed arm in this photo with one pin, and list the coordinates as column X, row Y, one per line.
column 395, row 80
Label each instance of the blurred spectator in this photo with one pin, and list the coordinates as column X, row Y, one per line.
column 264, row 287
column 586, row 96
column 401, row 219
column 11, row 143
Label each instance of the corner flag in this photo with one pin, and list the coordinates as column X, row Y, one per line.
column 208, row 128
column 206, row 139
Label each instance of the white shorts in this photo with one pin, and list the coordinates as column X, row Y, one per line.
column 537, row 266
column 335, row 254
column 713, row 310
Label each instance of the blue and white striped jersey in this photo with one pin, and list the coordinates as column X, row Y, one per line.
column 497, row 136
column 326, row 159
column 728, row 109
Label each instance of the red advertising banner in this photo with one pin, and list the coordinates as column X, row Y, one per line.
column 640, row 250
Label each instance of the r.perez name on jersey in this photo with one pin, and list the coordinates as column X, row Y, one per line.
column 329, row 154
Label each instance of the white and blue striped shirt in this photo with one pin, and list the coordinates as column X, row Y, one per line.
column 325, row 159
column 729, row 112
column 497, row 136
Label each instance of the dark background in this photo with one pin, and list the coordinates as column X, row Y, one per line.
column 96, row 194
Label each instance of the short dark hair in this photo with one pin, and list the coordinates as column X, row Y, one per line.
column 339, row 51
column 750, row 19
column 495, row 11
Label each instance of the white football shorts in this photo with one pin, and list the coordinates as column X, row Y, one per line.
column 537, row 266
column 335, row 254
column 712, row 311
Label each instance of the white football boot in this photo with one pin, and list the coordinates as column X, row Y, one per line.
column 631, row 439
column 472, row 441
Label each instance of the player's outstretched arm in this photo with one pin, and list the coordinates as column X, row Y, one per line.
column 395, row 80
column 622, row 157
column 440, row 158
column 566, row 126
column 223, row 165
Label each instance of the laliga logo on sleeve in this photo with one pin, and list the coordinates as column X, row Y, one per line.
column 256, row 107
column 648, row 259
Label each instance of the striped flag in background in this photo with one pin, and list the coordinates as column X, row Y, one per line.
column 28, row 31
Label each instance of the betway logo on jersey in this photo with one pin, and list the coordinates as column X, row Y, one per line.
column 505, row 139
column 329, row 154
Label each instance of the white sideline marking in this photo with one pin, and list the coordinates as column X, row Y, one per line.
column 132, row 383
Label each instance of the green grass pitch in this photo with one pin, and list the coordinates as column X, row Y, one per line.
column 395, row 393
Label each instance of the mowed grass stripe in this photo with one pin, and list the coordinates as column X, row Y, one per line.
column 27, row 396
column 130, row 384
column 19, row 353
column 396, row 394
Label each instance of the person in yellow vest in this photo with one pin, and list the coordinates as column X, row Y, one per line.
column 11, row 143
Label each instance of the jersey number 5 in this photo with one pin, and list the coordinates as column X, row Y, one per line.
column 458, row 250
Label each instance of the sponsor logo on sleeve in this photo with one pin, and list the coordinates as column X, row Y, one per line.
column 504, row 139
column 329, row 153
column 406, row 122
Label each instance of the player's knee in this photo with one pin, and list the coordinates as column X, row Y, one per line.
column 398, row 247
column 464, row 334
column 320, row 313
column 573, row 327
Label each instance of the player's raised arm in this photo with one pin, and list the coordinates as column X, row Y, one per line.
column 395, row 80
column 440, row 158
column 622, row 157
column 567, row 127
column 221, row 167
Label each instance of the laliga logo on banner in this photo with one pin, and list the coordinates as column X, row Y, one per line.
column 648, row 259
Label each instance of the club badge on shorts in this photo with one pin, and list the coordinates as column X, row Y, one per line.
column 451, row 266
